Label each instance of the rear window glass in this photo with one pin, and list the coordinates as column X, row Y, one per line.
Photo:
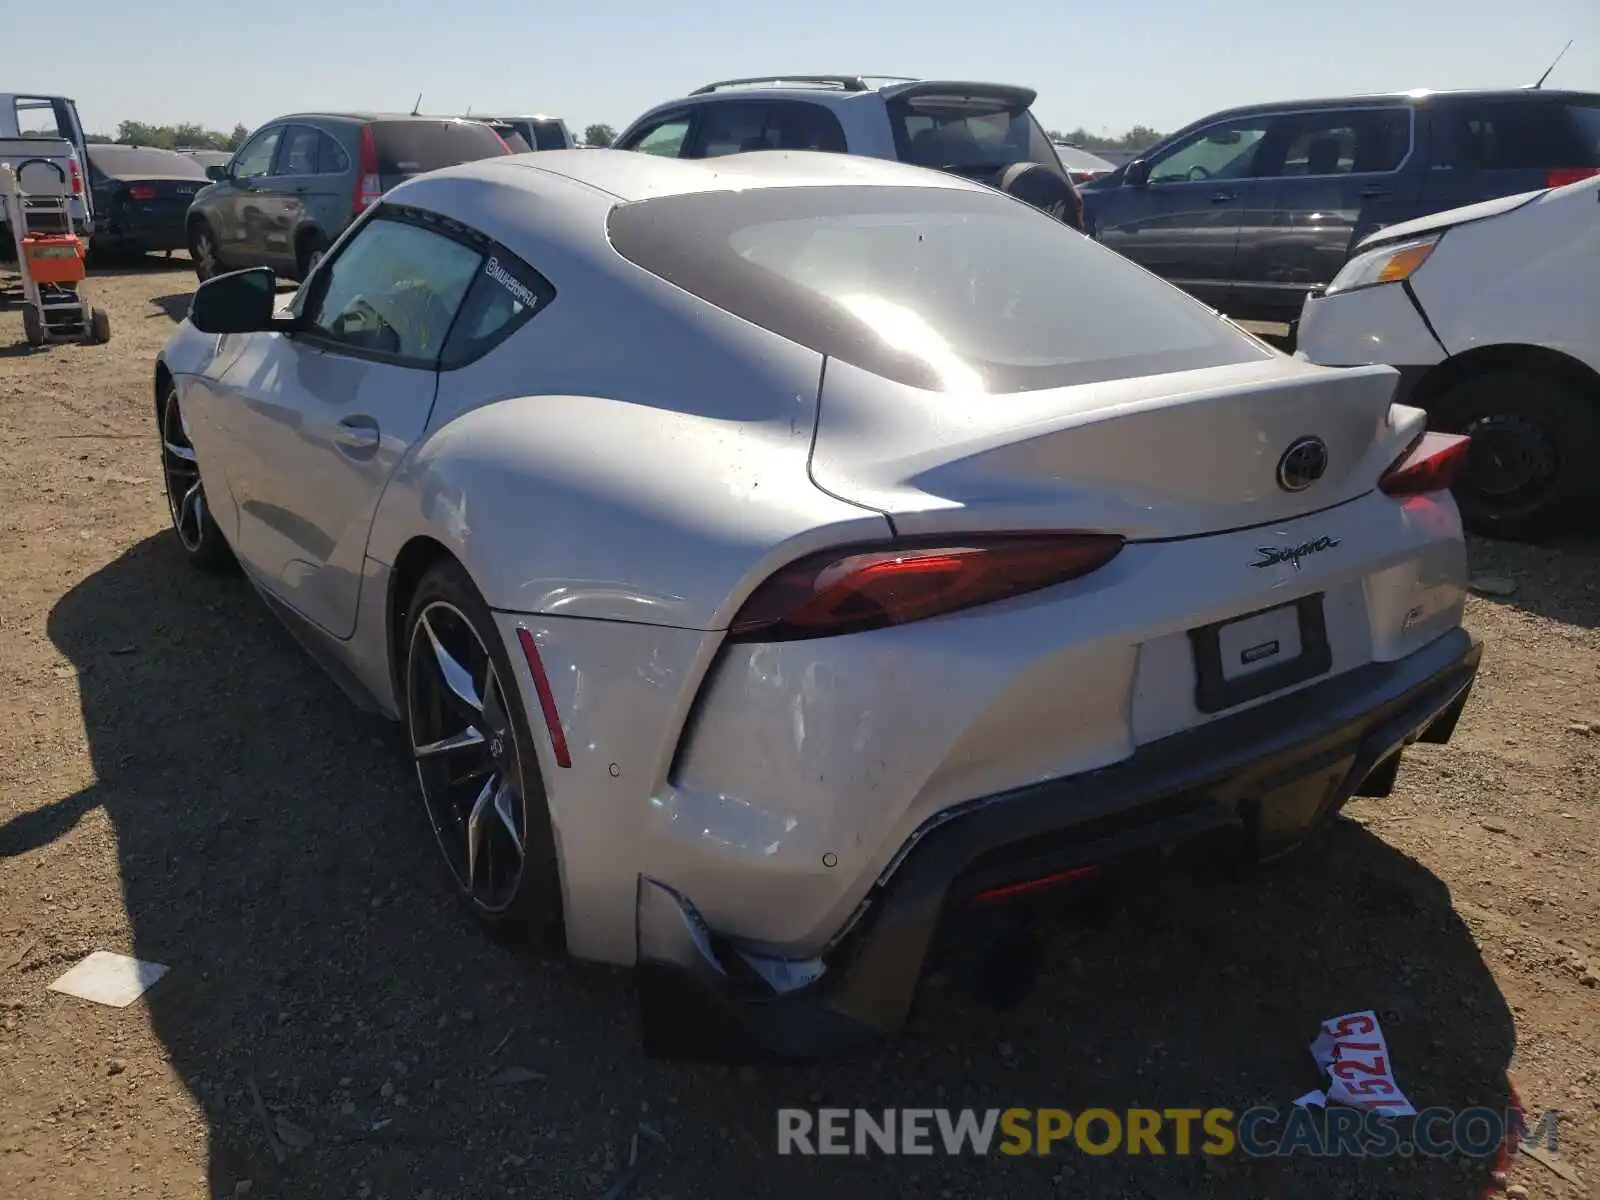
column 1527, row 135
column 142, row 160
column 410, row 147
column 1586, row 124
column 944, row 289
column 968, row 134
column 550, row 135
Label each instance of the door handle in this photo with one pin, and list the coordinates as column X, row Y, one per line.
column 358, row 435
column 1373, row 193
column 1223, row 197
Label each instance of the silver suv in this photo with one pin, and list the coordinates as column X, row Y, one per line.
column 983, row 131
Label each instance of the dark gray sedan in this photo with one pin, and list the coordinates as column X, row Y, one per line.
column 291, row 190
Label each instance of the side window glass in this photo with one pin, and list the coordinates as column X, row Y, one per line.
column 36, row 117
column 1510, row 136
column 331, row 158
column 1226, row 150
column 505, row 293
column 299, row 155
column 394, row 290
column 256, row 157
column 733, row 128
column 1383, row 140
column 665, row 139
column 808, row 127
column 1319, row 144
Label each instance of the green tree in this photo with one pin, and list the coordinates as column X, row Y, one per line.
column 599, row 135
column 137, row 133
column 237, row 137
column 187, row 136
column 1140, row 137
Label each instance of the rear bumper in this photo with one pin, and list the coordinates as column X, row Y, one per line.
column 1259, row 780
column 136, row 234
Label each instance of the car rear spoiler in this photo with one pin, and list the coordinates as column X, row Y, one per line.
column 958, row 89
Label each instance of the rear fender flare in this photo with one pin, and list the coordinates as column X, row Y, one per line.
column 554, row 505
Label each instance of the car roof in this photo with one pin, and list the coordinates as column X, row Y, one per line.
column 628, row 176
column 837, row 89
column 1415, row 96
column 368, row 116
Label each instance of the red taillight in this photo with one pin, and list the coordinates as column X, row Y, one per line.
column 504, row 145
column 369, row 187
column 1431, row 465
column 547, row 698
column 1561, row 176
column 869, row 587
column 141, row 191
column 1010, row 891
column 77, row 178
column 1082, row 177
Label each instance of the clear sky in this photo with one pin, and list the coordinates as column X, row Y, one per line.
column 1105, row 66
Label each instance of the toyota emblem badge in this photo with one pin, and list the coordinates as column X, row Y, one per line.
column 1302, row 464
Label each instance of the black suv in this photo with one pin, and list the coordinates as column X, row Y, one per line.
column 1253, row 208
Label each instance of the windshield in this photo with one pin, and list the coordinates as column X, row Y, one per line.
column 939, row 288
column 411, row 147
column 144, row 160
column 969, row 134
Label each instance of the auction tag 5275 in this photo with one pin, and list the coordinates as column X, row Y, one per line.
column 1352, row 1050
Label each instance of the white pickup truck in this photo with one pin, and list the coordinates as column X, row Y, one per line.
column 46, row 127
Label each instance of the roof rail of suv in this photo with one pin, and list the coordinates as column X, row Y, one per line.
column 847, row 83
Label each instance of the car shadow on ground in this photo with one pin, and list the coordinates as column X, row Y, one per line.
column 1569, row 593
column 175, row 307
column 102, row 266
column 272, row 854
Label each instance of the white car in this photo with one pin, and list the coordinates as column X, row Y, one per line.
column 1492, row 315
column 769, row 559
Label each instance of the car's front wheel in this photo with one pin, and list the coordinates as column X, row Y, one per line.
column 203, row 251
column 313, row 246
column 198, row 536
column 1535, row 438
column 476, row 762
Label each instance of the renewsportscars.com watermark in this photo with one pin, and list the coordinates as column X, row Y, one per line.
column 1262, row 1132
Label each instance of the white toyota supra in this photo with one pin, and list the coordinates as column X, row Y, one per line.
column 774, row 557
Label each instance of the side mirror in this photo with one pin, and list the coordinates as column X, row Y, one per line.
column 238, row 302
column 1137, row 173
column 216, row 174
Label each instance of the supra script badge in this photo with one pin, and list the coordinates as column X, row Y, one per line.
column 1271, row 556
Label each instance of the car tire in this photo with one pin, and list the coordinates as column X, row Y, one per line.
column 33, row 325
column 204, row 251
column 312, row 247
column 496, row 840
column 193, row 526
column 1045, row 190
column 1535, row 437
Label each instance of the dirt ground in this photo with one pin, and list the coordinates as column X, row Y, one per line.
column 177, row 781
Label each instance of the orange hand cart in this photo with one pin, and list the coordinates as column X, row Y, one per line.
column 55, row 306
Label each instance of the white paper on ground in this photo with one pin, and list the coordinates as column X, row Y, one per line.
column 111, row 979
column 1355, row 1054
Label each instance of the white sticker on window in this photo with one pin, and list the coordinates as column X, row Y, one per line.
column 510, row 282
